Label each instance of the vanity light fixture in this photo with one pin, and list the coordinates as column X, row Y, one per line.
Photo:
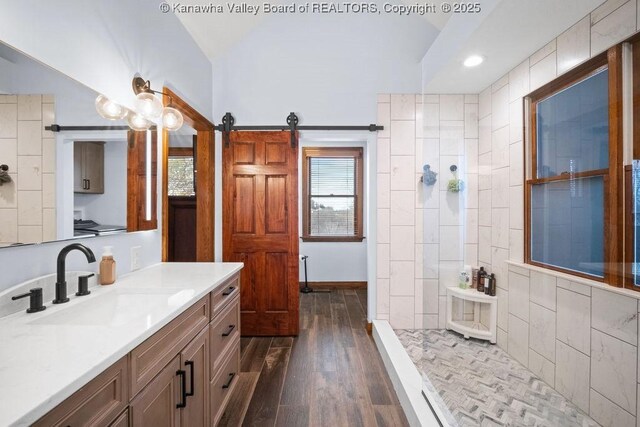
column 473, row 61
column 109, row 109
column 150, row 106
column 137, row 121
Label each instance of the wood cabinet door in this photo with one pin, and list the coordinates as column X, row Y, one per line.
column 195, row 362
column 260, row 228
column 93, row 164
column 158, row 404
column 78, row 177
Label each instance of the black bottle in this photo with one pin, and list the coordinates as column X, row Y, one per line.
column 481, row 275
column 493, row 285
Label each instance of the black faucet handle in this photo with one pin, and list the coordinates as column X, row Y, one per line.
column 35, row 300
column 83, row 285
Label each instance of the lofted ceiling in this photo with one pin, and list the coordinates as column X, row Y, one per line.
column 505, row 33
column 505, row 37
column 215, row 33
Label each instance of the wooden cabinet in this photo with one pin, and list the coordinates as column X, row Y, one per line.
column 159, row 403
column 182, row 375
column 195, row 362
column 88, row 167
column 122, row 421
column 96, row 404
column 224, row 382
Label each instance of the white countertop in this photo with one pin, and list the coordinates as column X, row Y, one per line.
column 45, row 357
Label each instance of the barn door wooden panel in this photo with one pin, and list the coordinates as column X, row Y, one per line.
column 260, row 228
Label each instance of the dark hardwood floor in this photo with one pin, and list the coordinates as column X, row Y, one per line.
column 329, row 375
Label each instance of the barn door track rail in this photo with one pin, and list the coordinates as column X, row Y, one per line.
column 228, row 125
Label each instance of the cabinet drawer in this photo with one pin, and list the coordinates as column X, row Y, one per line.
column 223, row 332
column 221, row 297
column 223, row 384
column 96, row 404
column 150, row 357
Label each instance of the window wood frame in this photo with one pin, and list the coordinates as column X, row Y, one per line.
column 612, row 176
column 357, row 154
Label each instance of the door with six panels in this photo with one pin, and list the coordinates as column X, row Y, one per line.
column 260, row 228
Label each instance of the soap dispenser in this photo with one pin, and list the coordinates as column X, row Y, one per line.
column 107, row 267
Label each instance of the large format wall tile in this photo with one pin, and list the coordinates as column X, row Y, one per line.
column 542, row 331
column 608, row 414
column 519, row 339
column 572, row 375
column 542, row 367
column 613, row 28
column 574, row 320
column 613, row 369
column 615, row 314
column 543, row 289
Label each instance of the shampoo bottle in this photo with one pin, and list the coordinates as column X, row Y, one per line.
column 481, row 275
column 107, row 267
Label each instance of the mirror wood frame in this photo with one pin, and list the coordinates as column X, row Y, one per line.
column 205, row 182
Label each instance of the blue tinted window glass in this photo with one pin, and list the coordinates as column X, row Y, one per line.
column 567, row 224
column 572, row 128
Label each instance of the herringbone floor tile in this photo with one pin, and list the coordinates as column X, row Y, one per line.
column 481, row 385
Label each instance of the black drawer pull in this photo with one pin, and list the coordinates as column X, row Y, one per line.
column 183, row 385
column 231, row 328
column 229, row 291
column 229, row 381
column 192, row 375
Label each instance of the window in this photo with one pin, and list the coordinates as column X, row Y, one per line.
column 573, row 191
column 332, row 192
column 180, row 172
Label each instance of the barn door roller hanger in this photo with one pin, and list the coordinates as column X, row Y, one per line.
column 228, row 125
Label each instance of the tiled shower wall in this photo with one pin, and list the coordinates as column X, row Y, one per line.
column 581, row 340
column 27, row 204
column 425, row 233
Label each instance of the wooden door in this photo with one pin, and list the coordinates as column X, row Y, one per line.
column 260, row 228
column 195, row 361
column 157, row 403
column 78, row 177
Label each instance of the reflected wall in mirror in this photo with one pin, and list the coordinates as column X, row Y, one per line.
column 69, row 184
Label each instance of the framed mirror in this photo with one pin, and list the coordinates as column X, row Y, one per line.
column 65, row 171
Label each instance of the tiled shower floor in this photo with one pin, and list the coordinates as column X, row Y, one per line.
column 480, row 384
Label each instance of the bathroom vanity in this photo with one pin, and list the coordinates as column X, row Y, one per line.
column 159, row 347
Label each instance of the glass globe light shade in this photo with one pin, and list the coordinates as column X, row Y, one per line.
column 148, row 105
column 137, row 122
column 172, row 119
column 109, row 109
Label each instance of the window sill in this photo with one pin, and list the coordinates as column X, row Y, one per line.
column 524, row 269
column 332, row 238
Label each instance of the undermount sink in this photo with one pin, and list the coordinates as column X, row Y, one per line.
column 117, row 308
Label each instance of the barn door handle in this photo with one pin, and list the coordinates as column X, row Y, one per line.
column 231, row 328
column 229, row 291
column 229, row 381
column 192, row 375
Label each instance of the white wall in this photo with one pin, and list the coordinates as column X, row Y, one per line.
column 102, row 44
column 334, row 261
column 320, row 68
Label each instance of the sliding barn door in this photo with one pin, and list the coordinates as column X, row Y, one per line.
column 260, row 228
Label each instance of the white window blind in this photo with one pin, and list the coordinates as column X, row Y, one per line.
column 332, row 196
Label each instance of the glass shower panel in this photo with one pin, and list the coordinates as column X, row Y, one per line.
column 635, row 267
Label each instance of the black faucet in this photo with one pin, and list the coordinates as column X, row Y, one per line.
column 61, row 283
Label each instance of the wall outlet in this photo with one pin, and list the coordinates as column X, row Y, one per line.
column 135, row 257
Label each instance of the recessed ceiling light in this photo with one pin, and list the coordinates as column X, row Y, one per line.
column 473, row 61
